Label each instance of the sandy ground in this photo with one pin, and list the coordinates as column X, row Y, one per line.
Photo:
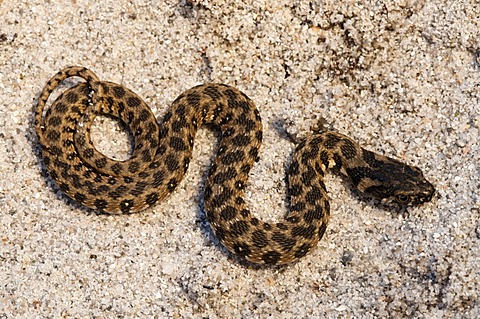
column 400, row 76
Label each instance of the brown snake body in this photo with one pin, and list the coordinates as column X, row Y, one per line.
column 162, row 153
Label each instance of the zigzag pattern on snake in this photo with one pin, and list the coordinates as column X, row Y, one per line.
column 162, row 153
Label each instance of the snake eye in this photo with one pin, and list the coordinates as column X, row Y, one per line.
column 401, row 198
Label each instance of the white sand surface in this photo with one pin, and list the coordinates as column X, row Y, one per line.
column 400, row 76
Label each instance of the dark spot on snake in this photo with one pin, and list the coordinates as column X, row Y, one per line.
column 172, row 184
column 193, row 99
column 64, row 187
column 285, row 242
column 254, row 153
column 134, row 101
column 177, row 125
column 220, row 199
column 110, row 102
column 78, row 167
column 207, row 193
column 319, row 169
column 295, row 190
column 71, row 156
column 103, row 189
column 71, row 97
column 322, row 185
column 227, row 175
column 133, row 167
column 281, row 226
column 68, row 143
column 117, row 168
column 369, row 157
column 254, row 221
column 294, row 168
column 118, row 91
column 242, row 250
column 100, row 204
column 139, row 188
column 101, row 162
column 54, row 175
column 76, row 180
column 232, row 157
column 239, row 228
column 88, row 152
column 60, row 108
column 241, row 140
column 306, row 232
column 358, row 173
column 293, row 219
column 338, row 160
column 227, row 118
column 87, row 174
column 186, row 162
column 220, row 232
column 80, row 197
column 314, row 214
column 297, row 207
column 246, row 168
column 158, row 178
column 172, row 163
column 331, row 140
column 267, row 226
column 161, row 150
column 127, row 179
column 302, row 251
column 144, row 115
column 151, row 199
column 77, row 110
column 240, row 185
column 105, row 87
column 257, row 114
column 111, row 180
column 178, row 144
column 259, row 136
column 121, row 108
column 348, row 149
column 308, row 175
column 245, row 212
column 122, row 189
column 130, row 117
column 271, row 258
column 321, row 230
column 259, row 239
column 324, row 158
column 228, row 132
column 217, row 111
column 55, row 121
column 313, row 195
column 167, row 117
column 126, row 205
column 228, row 213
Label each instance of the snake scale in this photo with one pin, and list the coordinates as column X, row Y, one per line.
column 161, row 155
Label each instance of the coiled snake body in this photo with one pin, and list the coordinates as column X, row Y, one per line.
column 162, row 153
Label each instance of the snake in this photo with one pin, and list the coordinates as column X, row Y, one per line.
column 161, row 153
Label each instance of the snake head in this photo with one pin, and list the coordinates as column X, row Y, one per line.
column 392, row 181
